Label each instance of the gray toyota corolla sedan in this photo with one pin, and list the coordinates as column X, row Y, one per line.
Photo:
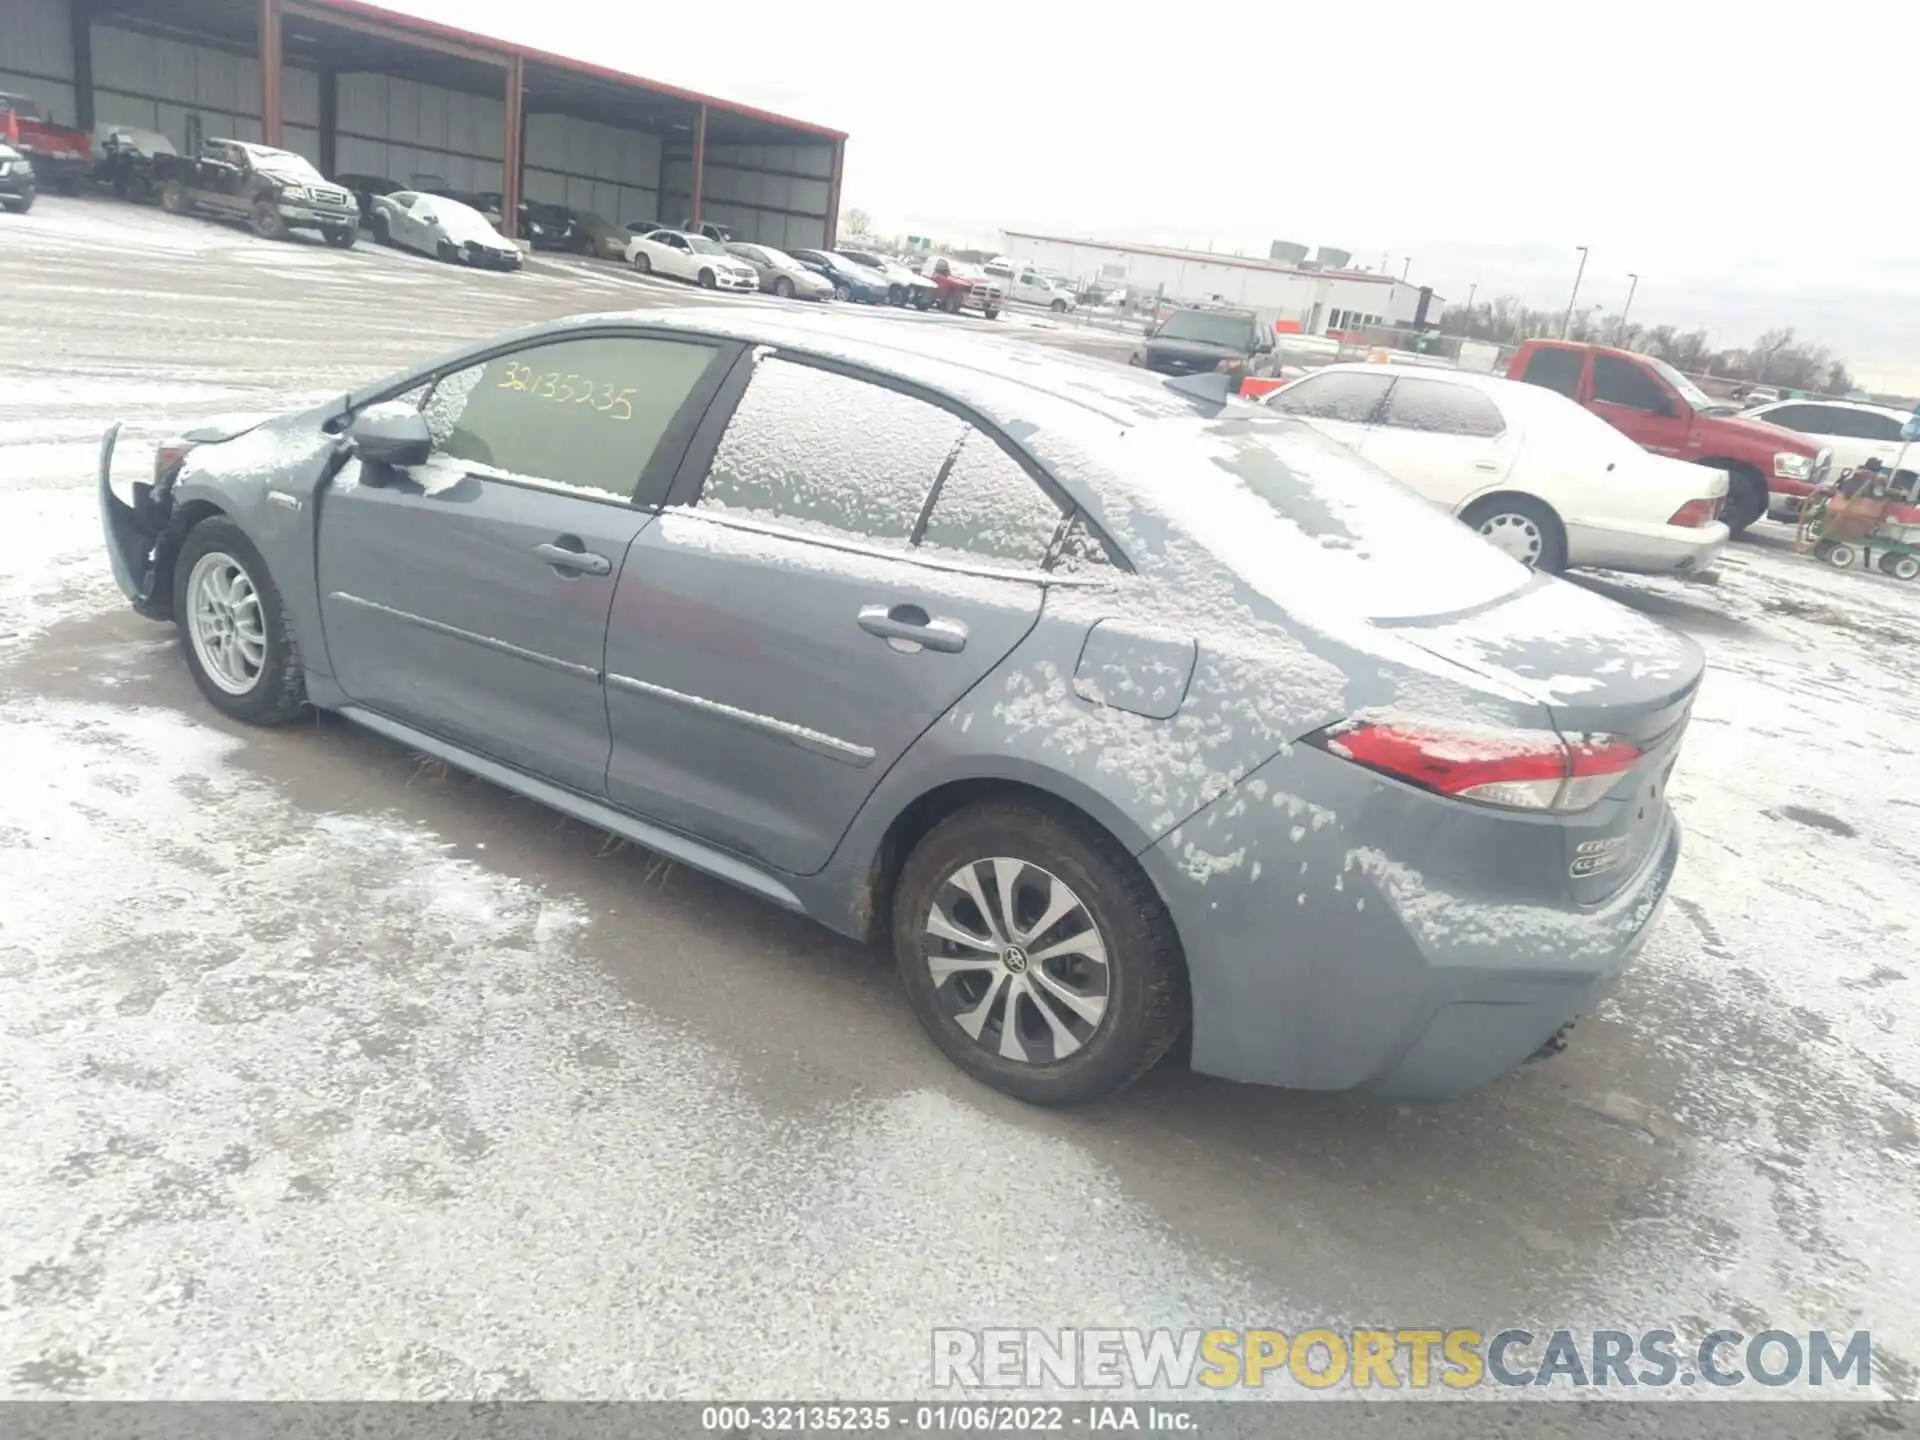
column 1114, row 707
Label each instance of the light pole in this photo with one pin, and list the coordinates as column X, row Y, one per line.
column 1633, row 284
column 1567, row 322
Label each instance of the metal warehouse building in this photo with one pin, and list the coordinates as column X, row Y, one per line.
column 1319, row 300
column 361, row 90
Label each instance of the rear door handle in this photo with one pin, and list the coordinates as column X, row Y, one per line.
column 1485, row 465
column 908, row 628
column 583, row 561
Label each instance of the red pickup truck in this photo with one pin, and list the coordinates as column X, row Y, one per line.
column 61, row 157
column 1770, row 471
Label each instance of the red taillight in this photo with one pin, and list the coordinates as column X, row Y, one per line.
column 1695, row 513
column 170, row 454
column 1520, row 770
column 13, row 127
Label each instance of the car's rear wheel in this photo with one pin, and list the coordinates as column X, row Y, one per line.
column 1901, row 567
column 267, row 221
column 174, row 199
column 1036, row 953
column 642, row 264
column 239, row 647
column 1059, row 307
column 1523, row 527
column 1838, row 554
column 783, row 287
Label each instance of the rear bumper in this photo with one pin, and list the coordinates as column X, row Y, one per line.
column 1646, row 549
column 1329, row 966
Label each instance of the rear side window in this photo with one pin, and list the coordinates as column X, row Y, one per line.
column 1350, row 395
column 1621, row 382
column 1556, row 369
column 1807, row 419
column 1441, row 409
column 990, row 508
column 822, row 449
column 1857, row 424
column 578, row 414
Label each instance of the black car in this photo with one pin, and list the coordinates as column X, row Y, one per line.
column 16, row 180
column 1197, row 341
column 553, row 227
column 364, row 188
column 272, row 190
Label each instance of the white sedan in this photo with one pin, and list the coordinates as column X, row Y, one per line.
column 1856, row 431
column 1541, row 478
column 696, row 258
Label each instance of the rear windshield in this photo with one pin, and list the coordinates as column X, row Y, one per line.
column 1210, row 326
column 1309, row 524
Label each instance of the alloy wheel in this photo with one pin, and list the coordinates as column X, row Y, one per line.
column 225, row 623
column 1017, row 960
column 1517, row 535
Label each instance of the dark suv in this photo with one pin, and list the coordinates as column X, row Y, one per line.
column 272, row 190
column 1196, row 341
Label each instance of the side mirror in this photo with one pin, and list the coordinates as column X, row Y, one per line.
column 392, row 434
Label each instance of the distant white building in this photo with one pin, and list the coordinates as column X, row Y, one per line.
column 1318, row 300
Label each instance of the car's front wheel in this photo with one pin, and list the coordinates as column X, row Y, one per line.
column 18, row 204
column 239, row 647
column 1523, row 527
column 843, row 293
column 174, row 199
column 1059, row 307
column 783, row 287
column 707, row 280
column 341, row 237
column 642, row 264
column 1036, row 953
column 267, row 221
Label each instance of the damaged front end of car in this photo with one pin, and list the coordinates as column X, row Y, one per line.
column 142, row 537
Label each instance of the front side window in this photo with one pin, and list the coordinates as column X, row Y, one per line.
column 1349, row 395
column 826, row 451
column 1556, row 369
column 990, row 508
column 1441, row 409
column 1860, row 424
column 1621, row 382
column 577, row 414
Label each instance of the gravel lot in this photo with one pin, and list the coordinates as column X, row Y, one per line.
column 334, row 1075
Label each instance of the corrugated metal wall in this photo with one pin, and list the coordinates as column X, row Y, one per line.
column 588, row 166
column 400, row 129
column 36, row 55
column 157, row 83
column 776, row 194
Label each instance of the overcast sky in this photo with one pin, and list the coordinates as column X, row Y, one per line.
column 1731, row 153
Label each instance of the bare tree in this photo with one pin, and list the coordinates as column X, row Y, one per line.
column 859, row 222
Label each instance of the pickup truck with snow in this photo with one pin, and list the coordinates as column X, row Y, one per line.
column 60, row 157
column 958, row 286
column 1770, row 470
column 274, row 191
column 1195, row 341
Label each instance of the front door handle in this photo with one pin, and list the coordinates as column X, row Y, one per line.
column 908, row 628
column 1485, row 465
column 584, row 562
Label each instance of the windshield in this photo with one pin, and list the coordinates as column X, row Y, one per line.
column 460, row 222
column 1210, row 326
column 1695, row 397
column 779, row 259
column 703, row 246
column 284, row 163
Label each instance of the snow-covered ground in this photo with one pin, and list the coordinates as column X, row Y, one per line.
column 328, row 1074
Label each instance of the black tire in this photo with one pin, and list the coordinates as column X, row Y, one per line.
column 174, row 198
column 1838, row 553
column 139, row 189
column 18, row 206
column 1746, row 498
column 643, row 265
column 783, row 287
column 279, row 692
column 992, row 312
column 923, row 301
column 1059, row 307
column 1552, row 553
column 341, row 238
column 1901, row 567
column 382, row 235
column 843, row 293
column 706, row 280
column 447, row 251
column 1145, row 975
column 267, row 221
column 896, row 295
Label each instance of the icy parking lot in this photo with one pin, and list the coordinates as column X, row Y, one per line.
column 331, row 1074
